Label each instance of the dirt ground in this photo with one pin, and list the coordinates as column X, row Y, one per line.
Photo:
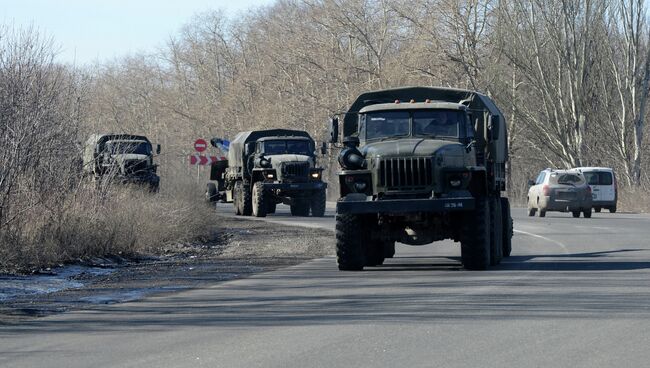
column 239, row 248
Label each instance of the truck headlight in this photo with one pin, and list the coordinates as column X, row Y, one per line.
column 455, row 183
column 315, row 174
column 269, row 174
column 360, row 186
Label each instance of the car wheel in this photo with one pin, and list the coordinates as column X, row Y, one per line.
column 612, row 209
column 576, row 213
column 542, row 213
column 587, row 213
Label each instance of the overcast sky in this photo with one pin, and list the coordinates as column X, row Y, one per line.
column 98, row 30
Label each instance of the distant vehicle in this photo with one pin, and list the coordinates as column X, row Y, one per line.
column 422, row 164
column 121, row 158
column 561, row 191
column 604, row 188
column 267, row 167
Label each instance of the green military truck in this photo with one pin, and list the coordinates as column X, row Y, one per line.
column 121, row 158
column 267, row 167
column 422, row 164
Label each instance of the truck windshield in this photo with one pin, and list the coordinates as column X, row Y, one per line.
column 277, row 147
column 428, row 123
column 438, row 123
column 137, row 148
column 386, row 124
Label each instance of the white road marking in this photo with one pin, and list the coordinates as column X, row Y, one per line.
column 564, row 248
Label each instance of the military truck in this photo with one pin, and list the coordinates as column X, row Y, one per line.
column 422, row 164
column 267, row 167
column 121, row 158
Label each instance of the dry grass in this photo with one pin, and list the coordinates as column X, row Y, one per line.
column 125, row 221
column 634, row 199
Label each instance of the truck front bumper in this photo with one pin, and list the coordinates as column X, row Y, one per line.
column 395, row 206
column 296, row 186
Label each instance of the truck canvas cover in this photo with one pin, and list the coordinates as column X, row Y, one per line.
column 474, row 100
column 237, row 149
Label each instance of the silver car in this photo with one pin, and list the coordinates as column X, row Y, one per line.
column 559, row 190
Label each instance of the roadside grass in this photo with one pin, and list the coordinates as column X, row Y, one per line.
column 85, row 223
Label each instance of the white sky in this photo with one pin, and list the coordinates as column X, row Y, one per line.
column 98, row 30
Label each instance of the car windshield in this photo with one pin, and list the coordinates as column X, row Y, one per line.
column 599, row 178
column 570, row 179
column 438, row 123
column 125, row 147
column 276, row 147
column 383, row 124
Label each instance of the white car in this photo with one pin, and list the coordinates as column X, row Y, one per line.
column 561, row 191
column 604, row 190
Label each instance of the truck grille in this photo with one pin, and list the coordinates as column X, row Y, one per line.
column 406, row 173
column 136, row 167
column 295, row 171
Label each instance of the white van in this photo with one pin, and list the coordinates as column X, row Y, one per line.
column 604, row 189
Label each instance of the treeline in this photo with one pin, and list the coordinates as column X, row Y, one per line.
column 571, row 76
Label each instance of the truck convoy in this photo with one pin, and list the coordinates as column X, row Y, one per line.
column 420, row 165
column 267, row 167
column 121, row 158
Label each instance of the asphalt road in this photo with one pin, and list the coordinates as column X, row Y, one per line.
column 574, row 293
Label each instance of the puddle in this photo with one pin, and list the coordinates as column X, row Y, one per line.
column 69, row 277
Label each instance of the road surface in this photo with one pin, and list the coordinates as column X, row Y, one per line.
column 574, row 293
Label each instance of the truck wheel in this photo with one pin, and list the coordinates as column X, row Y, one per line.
column 259, row 198
column 597, row 209
column 318, row 203
column 374, row 253
column 246, row 200
column 576, row 214
column 496, row 231
column 612, row 209
column 211, row 194
column 475, row 243
column 586, row 213
column 507, row 227
column 389, row 249
column 349, row 248
column 300, row 207
column 236, row 191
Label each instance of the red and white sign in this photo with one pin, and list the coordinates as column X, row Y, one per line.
column 200, row 145
column 197, row 159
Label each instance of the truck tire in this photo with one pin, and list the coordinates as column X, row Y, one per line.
column 349, row 248
column 389, row 249
column 508, row 230
column 374, row 253
column 246, row 200
column 318, row 203
column 236, row 198
column 575, row 214
column 300, row 207
column 496, row 231
column 586, row 213
column 597, row 209
column 259, row 198
column 211, row 194
column 475, row 242
column 612, row 209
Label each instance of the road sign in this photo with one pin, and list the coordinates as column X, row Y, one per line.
column 197, row 159
column 200, row 145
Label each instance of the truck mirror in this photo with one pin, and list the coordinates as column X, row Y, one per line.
column 157, row 149
column 495, row 123
column 249, row 148
column 323, row 149
column 334, row 130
